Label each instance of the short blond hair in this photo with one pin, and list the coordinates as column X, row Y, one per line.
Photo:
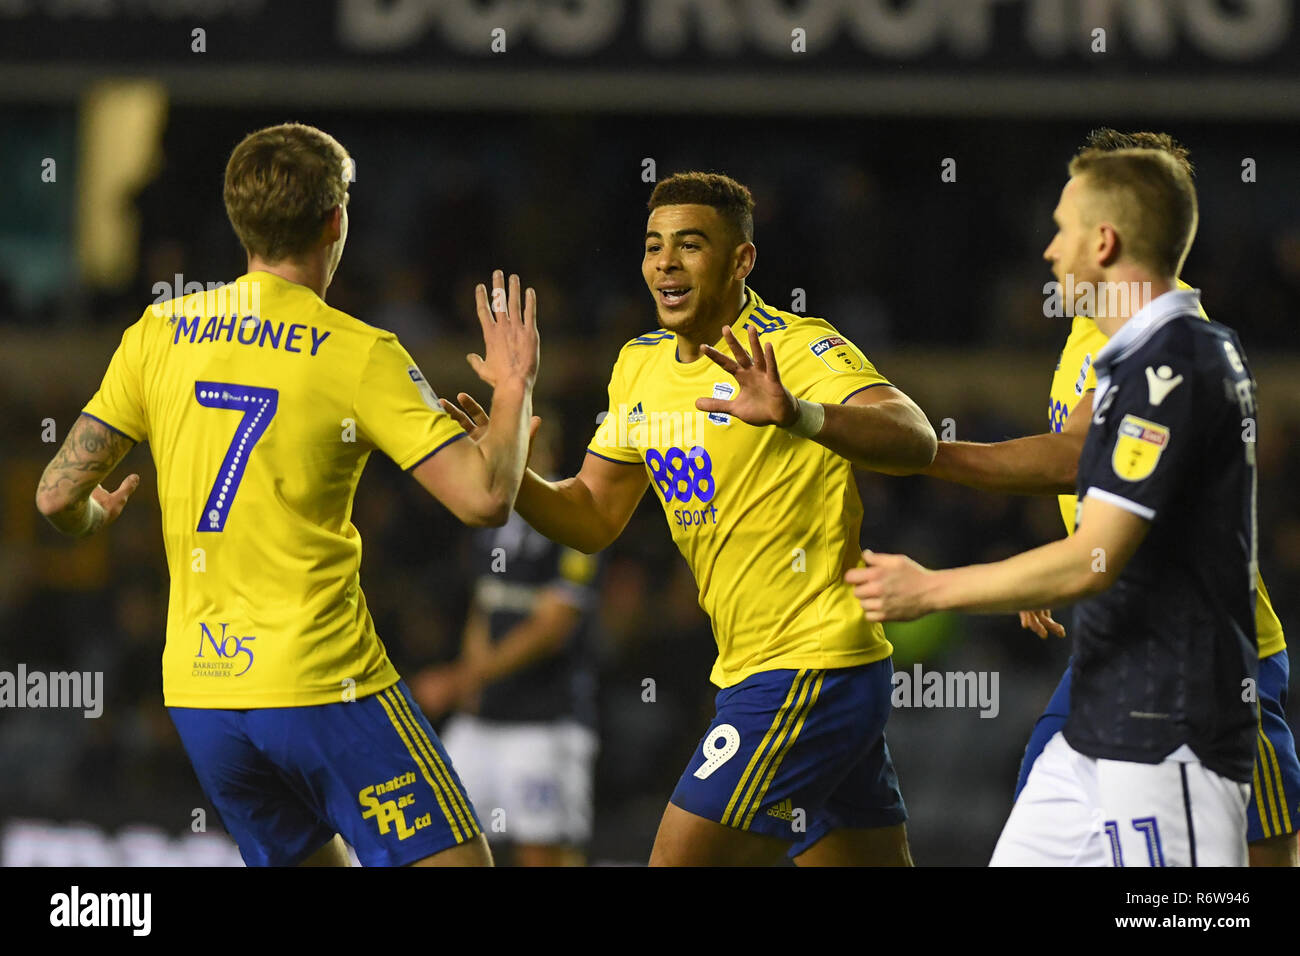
column 281, row 185
column 1148, row 196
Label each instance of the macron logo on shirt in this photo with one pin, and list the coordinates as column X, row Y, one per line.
column 1160, row 382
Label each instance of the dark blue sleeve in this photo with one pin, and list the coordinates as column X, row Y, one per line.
column 1153, row 435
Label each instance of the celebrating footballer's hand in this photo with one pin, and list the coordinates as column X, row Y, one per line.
column 763, row 400
column 478, row 480
column 511, row 343
column 471, row 417
column 1040, row 622
column 892, row 587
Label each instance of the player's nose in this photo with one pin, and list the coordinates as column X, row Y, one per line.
column 668, row 258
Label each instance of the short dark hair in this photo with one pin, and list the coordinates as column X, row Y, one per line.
column 731, row 199
column 1108, row 140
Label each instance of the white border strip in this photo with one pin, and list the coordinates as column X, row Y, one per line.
column 1142, row 511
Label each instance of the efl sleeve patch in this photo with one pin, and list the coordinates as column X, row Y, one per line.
column 1138, row 446
column 838, row 353
column 395, row 408
column 425, row 389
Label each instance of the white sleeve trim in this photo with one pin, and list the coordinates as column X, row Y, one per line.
column 1142, row 511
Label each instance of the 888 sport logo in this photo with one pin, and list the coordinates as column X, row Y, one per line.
column 685, row 476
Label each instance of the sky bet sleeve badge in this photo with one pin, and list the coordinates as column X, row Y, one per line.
column 837, row 353
column 1137, row 448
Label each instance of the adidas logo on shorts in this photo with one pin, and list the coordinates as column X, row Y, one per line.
column 782, row 810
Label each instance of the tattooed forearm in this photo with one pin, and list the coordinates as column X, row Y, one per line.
column 81, row 519
column 89, row 453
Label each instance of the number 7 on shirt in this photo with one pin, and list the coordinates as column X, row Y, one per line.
column 258, row 406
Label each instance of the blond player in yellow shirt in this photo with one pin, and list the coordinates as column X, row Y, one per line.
column 756, row 485
column 261, row 405
column 1046, row 464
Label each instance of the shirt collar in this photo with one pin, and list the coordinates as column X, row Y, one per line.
column 752, row 302
column 1149, row 318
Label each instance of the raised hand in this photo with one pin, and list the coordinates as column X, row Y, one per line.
column 763, row 400
column 471, row 417
column 511, row 344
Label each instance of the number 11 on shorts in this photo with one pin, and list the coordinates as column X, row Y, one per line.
column 1147, row 827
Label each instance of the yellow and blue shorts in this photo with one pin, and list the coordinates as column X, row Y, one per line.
column 1275, row 785
column 795, row 754
column 284, row 780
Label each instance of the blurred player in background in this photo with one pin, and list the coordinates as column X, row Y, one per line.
column 758, row 491
column 525, row 743
column 261, row 405
column 1047, row 463
column 1154, row 762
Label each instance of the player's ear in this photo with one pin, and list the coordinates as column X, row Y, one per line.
column 1108, row 244
column 746, row 256
column 333, row 226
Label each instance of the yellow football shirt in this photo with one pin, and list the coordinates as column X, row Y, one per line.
column 261, row 405
column 767, row 521
column 1074, row 378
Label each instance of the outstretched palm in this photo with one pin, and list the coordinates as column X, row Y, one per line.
column 763, row 400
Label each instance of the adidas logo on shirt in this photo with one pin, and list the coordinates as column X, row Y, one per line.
column 637, row 414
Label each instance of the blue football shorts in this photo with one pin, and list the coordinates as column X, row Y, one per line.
column 284, row 780
column 795, row 754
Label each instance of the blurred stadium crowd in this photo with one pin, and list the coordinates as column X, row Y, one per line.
column 923, row 275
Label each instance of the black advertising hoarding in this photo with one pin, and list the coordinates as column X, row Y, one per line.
column 1006, row 37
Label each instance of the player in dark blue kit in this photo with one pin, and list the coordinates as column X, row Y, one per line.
column 525, row 683
column 1047, row 463
column 1154, row 764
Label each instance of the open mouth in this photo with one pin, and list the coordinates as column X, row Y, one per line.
column 674, row 296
